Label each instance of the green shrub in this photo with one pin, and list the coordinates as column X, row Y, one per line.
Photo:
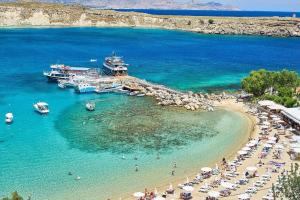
column 210, row 21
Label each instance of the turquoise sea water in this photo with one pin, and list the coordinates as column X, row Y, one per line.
column 37, row 152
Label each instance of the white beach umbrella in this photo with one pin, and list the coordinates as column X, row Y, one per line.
column 273, row 138
column 188, row 188
column 246, row 149
column 250, row 144
column 279, row 146
column 277, row 119
column 263, row 117
column 268, row 146
column 214, row 194
column 251, row 169
column 273, row 116
column 290, row 129
column 267, row 198
column 264, row 127
column 242, row 152
column 244, row 196
column 231, row 164
column 254, row 141
column 271, row 142
column 206, row 169
column 266, row 123
column 159, row 198
column 227, row 185
column 138, row 194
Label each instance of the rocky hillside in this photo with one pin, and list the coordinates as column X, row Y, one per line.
column 37, row 14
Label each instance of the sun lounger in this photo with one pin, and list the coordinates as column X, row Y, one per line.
column 268, row 198
column 251, row 190
column 259, row 184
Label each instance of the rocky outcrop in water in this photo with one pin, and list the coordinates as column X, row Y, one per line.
column 168, row 97
column 37, row 14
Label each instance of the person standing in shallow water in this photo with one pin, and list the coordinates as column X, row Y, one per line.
column 136, row 168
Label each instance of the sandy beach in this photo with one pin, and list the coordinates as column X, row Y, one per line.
column 253, row 131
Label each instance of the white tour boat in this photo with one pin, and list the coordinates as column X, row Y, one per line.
column 41, row 107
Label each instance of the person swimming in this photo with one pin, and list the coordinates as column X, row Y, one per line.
column 173, row 172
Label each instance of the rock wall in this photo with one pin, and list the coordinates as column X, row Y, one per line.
column 37, row 14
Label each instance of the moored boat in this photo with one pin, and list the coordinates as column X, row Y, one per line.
column 41, row 107
column 114, row 66
column 63, row 72
column 9, row 118
column 85, row 88
column 90, row 106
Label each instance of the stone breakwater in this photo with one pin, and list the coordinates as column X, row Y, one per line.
column 169, row 97
column 39, row 14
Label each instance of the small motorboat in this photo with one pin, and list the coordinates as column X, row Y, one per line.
column 140, row 95
column 41, row 107
column 134, row 93
column 9, row 118
column 93, row 60
column 90, row 106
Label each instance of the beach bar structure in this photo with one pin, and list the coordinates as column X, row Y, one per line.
column 270, row 106
column 292, row 117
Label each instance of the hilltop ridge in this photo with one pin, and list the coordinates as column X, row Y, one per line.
column 146, row 4
column 49, row 14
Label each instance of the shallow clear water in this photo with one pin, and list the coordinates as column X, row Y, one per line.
column 37, row 151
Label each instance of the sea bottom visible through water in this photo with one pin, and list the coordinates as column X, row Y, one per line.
column 134, row 124
column 37, row 152
column 124, row 132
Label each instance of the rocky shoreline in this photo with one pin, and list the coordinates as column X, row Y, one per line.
column 41, row 14
column 169, row 97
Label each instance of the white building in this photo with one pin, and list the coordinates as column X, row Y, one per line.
column 292, row 117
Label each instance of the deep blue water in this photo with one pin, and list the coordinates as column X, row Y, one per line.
column 38, row 151
column 214, row 13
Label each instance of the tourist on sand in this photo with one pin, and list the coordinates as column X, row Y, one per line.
column 224, row 162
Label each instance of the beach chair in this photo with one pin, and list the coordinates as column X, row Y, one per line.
column 259, row 183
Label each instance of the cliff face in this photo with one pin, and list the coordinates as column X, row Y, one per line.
column 35, row 14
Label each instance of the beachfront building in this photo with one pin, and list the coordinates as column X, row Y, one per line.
column 270, row 106
column 292, row 117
